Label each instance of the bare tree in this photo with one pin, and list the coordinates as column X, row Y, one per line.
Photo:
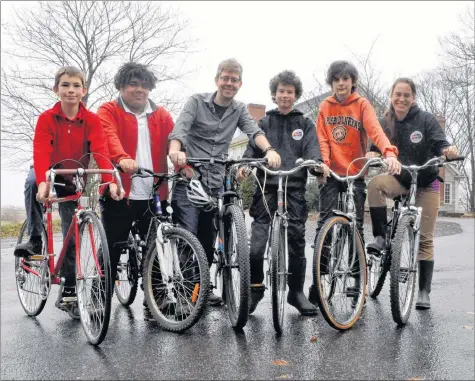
column 95, row 36
column 457, row 74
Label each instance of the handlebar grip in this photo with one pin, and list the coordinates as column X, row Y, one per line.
column 458, row 158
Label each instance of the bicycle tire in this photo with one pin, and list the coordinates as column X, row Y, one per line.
column 324, row 305
column 237, row 252
column 278, row 275
column 127, row 292
column 23, row 277
column 154, row 285
column 94, row 311
column 400, row 312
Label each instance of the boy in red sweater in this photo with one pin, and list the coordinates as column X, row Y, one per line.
column 66, row 131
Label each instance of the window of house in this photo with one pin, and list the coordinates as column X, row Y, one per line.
column 448, row 193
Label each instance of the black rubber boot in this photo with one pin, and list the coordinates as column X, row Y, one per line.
column 426, row 269
column 296, row 281
column 257, row 293
column 379, row 220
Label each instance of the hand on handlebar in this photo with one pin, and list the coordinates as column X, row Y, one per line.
column 273, row 158
column 43, row 192
column 177, row 157
column 116, row 193
column 451, row 152
column 394, row 166
column 242, row 174
column 128, row 165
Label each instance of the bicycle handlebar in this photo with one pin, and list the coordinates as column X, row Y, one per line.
column 300, row 165
column 51, row 174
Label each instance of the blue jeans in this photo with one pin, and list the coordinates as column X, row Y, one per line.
column 34, row 217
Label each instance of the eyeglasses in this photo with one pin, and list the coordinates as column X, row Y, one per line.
column 227, row 79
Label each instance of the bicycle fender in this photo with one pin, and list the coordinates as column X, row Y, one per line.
column 341, row 214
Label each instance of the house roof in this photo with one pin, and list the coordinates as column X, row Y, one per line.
column 308, row 105
column 454, row 170
column 239, row 139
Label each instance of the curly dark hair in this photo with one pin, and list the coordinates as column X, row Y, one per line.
column 130, row 70
column 340, row 68
column 286, row 77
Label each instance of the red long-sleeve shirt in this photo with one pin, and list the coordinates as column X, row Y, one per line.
column 58, row 138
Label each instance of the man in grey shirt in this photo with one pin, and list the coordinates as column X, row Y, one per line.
column 205, row 128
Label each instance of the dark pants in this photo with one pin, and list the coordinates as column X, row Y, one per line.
column 329, row 200
column 297, row 210
column 117, row 218
column 202, row 224
column 34, row 217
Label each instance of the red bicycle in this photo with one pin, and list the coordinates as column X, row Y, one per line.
column 35, row 274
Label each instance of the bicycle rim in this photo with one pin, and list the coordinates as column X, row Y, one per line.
column 340, row 280
column 178, row 298
column 403, row 271
column 93, row 290
column 278, row 275
column 32, row 292
column 237, row 277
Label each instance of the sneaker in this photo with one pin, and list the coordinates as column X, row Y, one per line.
column 68, row 302
column 214, row 300
column 26, row 249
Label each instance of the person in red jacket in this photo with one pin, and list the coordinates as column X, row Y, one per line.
column 66, row 131
column 137, row 132
column 345, row 120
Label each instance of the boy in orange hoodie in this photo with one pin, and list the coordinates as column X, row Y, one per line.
column 345, row 121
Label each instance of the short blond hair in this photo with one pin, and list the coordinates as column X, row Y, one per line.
column 231, row 65
column 72, row 72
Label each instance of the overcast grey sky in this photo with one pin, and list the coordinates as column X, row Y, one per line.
column 267, row 37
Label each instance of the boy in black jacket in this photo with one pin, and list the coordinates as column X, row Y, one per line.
column 293, row 136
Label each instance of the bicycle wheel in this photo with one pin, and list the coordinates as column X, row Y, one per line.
column 403, row 271
column 178, row 298
column 237, row 275
column 278, row 270
column 378, row 268
column 32, row 291
column 128, row 273
column 93, row 274
column 340, row 276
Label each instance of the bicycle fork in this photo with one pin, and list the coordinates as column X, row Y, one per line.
column 168, row 260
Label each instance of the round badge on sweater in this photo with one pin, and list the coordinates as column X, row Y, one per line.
column 339, row 133
column 297, row 134
column 416, row 137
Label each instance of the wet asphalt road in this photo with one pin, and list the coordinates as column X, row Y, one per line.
column 435, row 344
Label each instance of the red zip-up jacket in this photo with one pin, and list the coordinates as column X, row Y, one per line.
column 121, row 129
column 58, row 138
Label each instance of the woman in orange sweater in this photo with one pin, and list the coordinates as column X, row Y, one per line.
column 345, row 121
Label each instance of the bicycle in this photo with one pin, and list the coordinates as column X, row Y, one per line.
column 339, row 255
column 175, row 272
column 277, row 246
column 231, row 245
column 403, row 232
column 35, row 274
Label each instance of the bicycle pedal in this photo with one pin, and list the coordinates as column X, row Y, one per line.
column 69, row 299
column 35, row 257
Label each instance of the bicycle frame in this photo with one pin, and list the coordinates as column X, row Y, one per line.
column 73, row 229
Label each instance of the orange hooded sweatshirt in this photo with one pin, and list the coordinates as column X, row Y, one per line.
column 343, row 130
